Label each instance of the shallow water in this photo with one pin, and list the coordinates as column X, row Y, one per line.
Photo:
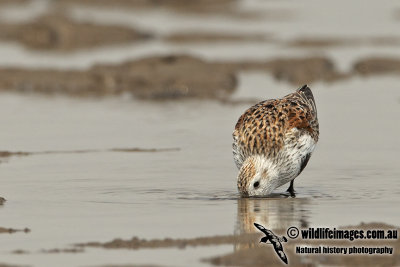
column 78, row 197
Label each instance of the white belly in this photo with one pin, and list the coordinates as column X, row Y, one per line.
column 291, row 158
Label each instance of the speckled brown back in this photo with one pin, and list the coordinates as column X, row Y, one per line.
column 264, row 128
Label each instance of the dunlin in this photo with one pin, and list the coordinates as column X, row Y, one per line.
column 273, row 141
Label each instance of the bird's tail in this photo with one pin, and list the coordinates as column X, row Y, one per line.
column 307, row 95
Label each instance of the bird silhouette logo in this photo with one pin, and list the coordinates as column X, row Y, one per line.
column 274, row 240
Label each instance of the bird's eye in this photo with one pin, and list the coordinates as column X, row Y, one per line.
column 256, row 184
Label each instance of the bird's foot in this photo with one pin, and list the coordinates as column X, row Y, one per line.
column 289, row 193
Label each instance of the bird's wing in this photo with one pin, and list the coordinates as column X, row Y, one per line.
column 304, row 162
column 302, row 111
column 257, row 131
column 306, row 93
column 279, row 250
column 262, row 229
column 263, row 128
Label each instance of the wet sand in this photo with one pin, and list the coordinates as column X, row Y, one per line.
column 65, row 250
column 182, row 76
column 8, row 2
column 11, row 230
column 196, row 7
column 316, row 42
column 137, row 243
column 5, row 154
column 249, row 252
column 9, row 265
column 377, row 66
column 209, row 37
column 151, row 78
column 58, row 33
column 165, row 77
column 256, row 254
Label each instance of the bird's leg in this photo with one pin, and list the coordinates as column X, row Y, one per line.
column 290, row 190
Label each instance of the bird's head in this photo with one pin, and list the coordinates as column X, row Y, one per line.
column 257, row 177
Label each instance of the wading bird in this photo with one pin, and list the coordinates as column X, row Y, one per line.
column 273, row 141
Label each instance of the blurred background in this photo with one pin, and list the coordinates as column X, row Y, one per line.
column 117, row 119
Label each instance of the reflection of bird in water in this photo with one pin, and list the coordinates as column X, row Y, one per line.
column 273, row 142
column 274, row 240
column 278, row 213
